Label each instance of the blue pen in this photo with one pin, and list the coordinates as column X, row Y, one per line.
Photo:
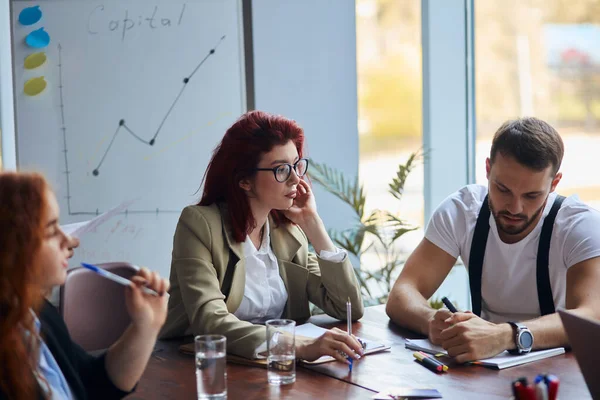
column 539, row 378
column 115, row 278
column 351, row 360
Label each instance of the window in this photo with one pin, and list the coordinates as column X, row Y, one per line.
column 541, row 58
column 388, row 47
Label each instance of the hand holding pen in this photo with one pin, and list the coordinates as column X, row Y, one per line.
column 335, row 343
column 439, row 321
column 145, row 297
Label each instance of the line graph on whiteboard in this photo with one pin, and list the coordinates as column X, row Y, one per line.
column 124, row 127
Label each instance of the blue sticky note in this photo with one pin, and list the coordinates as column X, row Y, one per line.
column 30, row 15
column 38, row 39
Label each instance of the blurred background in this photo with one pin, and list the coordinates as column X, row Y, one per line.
column 532, row 57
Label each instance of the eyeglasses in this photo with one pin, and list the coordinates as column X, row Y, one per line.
column 282, row 172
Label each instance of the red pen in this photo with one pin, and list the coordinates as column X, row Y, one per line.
column 516, row 389
column 530, row 393
column 524, row 392
column 552, row 383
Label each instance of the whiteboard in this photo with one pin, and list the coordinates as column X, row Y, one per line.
column 137, row 95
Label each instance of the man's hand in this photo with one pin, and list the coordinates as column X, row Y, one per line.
column 471, row 338
column 437, row 324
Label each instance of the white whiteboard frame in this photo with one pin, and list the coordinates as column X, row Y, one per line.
column 7, row 103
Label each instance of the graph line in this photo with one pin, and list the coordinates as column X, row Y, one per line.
column 152, row 141
column 123, row 125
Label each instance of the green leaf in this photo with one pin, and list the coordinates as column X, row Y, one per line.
column 335, row 183
column 384, row 227
column 396, row 187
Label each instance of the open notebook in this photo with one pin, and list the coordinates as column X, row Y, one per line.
column 501, row 361
column 312, row 331
column 305, row 330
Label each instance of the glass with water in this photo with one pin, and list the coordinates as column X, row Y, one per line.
column 281, row 351
column 211, row 368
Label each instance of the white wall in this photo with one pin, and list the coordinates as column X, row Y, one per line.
column 305, row 69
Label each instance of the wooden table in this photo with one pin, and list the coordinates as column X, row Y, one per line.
column 171, row 375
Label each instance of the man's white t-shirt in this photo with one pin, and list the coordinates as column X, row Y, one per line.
column 508, row 283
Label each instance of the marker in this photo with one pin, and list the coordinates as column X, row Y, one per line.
column 541, row 391
column 449, row 304
column 552, row 383
column 428, row 362
column 115, row 278
column 435, row 360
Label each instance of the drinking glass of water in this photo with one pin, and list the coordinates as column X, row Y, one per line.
column 281, row 351
column 211, row 369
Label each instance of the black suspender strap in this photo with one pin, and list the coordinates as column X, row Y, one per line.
column 544, row 287
column 480, row 236
column 477, row 254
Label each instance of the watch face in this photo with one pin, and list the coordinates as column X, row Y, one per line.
column 526, row 340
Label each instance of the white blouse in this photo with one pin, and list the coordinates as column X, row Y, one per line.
column 264, row 293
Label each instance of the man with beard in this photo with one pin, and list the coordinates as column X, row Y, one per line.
column 528, row 251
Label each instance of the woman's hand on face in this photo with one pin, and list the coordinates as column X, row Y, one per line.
column 147, row 311
column 333, row 343
column 304, row 207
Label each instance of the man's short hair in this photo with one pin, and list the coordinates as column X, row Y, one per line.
column 531, row 141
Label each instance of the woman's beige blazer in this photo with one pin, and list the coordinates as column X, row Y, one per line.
column 202, row 246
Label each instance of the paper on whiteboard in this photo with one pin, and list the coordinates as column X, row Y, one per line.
column 79, row 228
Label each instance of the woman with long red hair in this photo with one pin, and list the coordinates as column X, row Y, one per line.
column 241, row 256
column 37, row 357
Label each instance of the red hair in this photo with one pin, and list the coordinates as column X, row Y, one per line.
column 22, row 216
column 252, row 135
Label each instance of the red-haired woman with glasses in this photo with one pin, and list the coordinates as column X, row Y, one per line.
column 38, row 359
column 241, row 257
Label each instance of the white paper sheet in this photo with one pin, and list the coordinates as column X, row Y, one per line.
column 79, row 228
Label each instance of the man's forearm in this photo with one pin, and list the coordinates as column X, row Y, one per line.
column 408, row 308
column 548, row 330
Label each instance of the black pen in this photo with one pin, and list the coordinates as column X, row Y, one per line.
column 449, row 304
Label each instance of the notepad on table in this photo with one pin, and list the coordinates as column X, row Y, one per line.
column 407, row 393
column 312, row 331
column 501, row 361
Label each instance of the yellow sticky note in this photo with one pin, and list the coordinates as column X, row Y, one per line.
column 34, row 86
column 35, row 60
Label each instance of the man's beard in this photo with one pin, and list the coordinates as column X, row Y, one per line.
column 515, row 229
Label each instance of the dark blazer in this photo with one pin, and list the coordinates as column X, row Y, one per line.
column 85, row 374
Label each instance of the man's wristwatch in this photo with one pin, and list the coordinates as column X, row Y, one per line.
column 523, row 338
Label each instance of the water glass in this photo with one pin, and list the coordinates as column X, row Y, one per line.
column 281, row 351
column 211, row 369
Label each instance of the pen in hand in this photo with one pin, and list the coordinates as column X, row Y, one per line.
column 349, row 317
column 115, row 278
column 349, row 330
column 449, row 305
